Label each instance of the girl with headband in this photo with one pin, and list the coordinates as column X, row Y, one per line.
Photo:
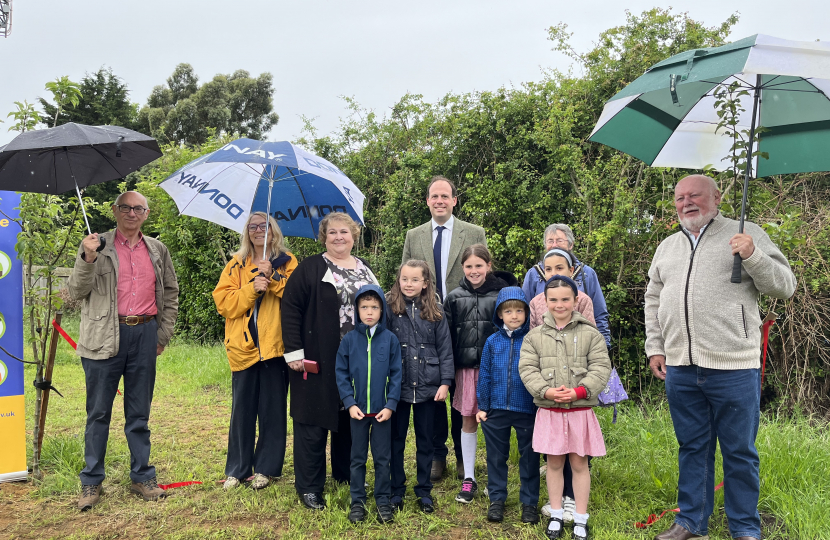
column 564, row 365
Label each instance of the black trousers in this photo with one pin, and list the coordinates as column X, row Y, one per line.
column 259, row 392
column 136, row 362
column 380, row 435
column 423, row 422
column 497, row 436
column 310, row 454
column 441, row 428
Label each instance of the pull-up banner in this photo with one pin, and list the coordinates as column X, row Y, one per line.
column 12, row 408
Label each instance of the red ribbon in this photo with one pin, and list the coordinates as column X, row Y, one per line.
column 64, row 335
column 69, row 340
column 652, row 519
column 177, row 484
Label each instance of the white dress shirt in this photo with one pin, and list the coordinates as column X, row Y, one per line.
column 445, row 251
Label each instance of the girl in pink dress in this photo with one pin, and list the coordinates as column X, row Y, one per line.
column 564, row 365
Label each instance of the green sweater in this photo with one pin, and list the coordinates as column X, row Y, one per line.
column 694, row 314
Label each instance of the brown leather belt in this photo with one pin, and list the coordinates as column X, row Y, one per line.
column 132, row 320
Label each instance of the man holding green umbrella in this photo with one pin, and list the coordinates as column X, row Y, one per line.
column 703, row 338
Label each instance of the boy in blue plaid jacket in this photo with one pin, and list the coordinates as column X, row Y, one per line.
column 504, row 403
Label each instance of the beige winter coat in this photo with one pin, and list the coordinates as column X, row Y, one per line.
column 96, row 285
column 574, row 356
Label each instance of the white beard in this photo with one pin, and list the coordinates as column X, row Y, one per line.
column 694, row 224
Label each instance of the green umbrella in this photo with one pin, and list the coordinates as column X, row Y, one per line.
column 667, row 117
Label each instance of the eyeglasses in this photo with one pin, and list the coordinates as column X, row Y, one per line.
column 125, row 209
column 253, row 227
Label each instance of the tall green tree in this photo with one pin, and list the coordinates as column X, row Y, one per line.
column 181, row 111
column 104, row 100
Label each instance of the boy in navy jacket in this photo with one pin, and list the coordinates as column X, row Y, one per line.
column 504, row 403
column 368, row 374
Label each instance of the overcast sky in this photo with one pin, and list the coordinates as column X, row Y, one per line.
column 375, row 51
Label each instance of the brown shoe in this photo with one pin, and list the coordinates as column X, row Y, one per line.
column 438, row 469
column 90, row 496
column 148, row 490
column 676, row 532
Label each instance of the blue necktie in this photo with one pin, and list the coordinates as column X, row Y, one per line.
column 436, row 255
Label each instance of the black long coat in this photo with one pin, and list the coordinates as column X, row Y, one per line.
column 311, row 330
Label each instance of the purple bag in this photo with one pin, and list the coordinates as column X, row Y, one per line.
column 613, row 393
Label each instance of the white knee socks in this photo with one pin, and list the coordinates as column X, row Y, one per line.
column 468, row 453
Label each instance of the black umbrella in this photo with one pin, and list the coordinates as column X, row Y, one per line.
column 72, row 157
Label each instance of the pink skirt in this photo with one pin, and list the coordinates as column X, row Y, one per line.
column 560, row 433
column 465, row 400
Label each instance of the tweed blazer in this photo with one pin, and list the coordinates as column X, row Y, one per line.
column 418, row 245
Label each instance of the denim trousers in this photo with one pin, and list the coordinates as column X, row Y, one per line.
column 711, row 406
column 136, row 362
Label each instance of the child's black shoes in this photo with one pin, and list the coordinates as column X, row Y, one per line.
column 357, row 513
column 496, row 512
column 530, row 514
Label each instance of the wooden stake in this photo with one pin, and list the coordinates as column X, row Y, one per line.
column 50, row 363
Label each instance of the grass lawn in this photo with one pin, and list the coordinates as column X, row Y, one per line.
column 190, row 422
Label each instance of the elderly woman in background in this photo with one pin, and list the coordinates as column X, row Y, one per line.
column 561, row 236
column 248, row 296
column 318, row 310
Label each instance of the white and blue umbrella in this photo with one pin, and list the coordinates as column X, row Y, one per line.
column 295, row 187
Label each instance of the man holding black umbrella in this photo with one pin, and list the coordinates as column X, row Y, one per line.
column 130, row 302
column 703, row 338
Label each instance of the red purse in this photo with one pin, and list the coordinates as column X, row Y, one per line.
column 310, row 366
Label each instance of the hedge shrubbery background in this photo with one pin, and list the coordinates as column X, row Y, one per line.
column 521, row 160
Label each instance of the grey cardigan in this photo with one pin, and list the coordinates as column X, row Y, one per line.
column 694, row 314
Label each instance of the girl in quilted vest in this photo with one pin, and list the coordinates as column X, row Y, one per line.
column 564, row 365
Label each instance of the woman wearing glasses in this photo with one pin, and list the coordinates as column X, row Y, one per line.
column 248, row 295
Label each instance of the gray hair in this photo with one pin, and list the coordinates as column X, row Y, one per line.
column 118, row 199
column 708, row 179
column 569, row 234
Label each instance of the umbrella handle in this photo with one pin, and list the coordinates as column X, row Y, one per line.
column 102, row 245
column 736, row 269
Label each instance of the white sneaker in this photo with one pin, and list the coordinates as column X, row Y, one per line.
column 543, row 470
column 231, row 483
column 569, row 508
column 546, row 510
column 260, row 481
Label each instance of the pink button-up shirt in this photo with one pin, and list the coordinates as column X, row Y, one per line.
column 136, row 278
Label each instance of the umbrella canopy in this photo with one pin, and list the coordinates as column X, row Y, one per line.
column 297, row 188
column 667, row 118
column 59, row 159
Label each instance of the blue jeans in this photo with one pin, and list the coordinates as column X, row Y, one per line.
column 711, row 406
column 136, row 362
